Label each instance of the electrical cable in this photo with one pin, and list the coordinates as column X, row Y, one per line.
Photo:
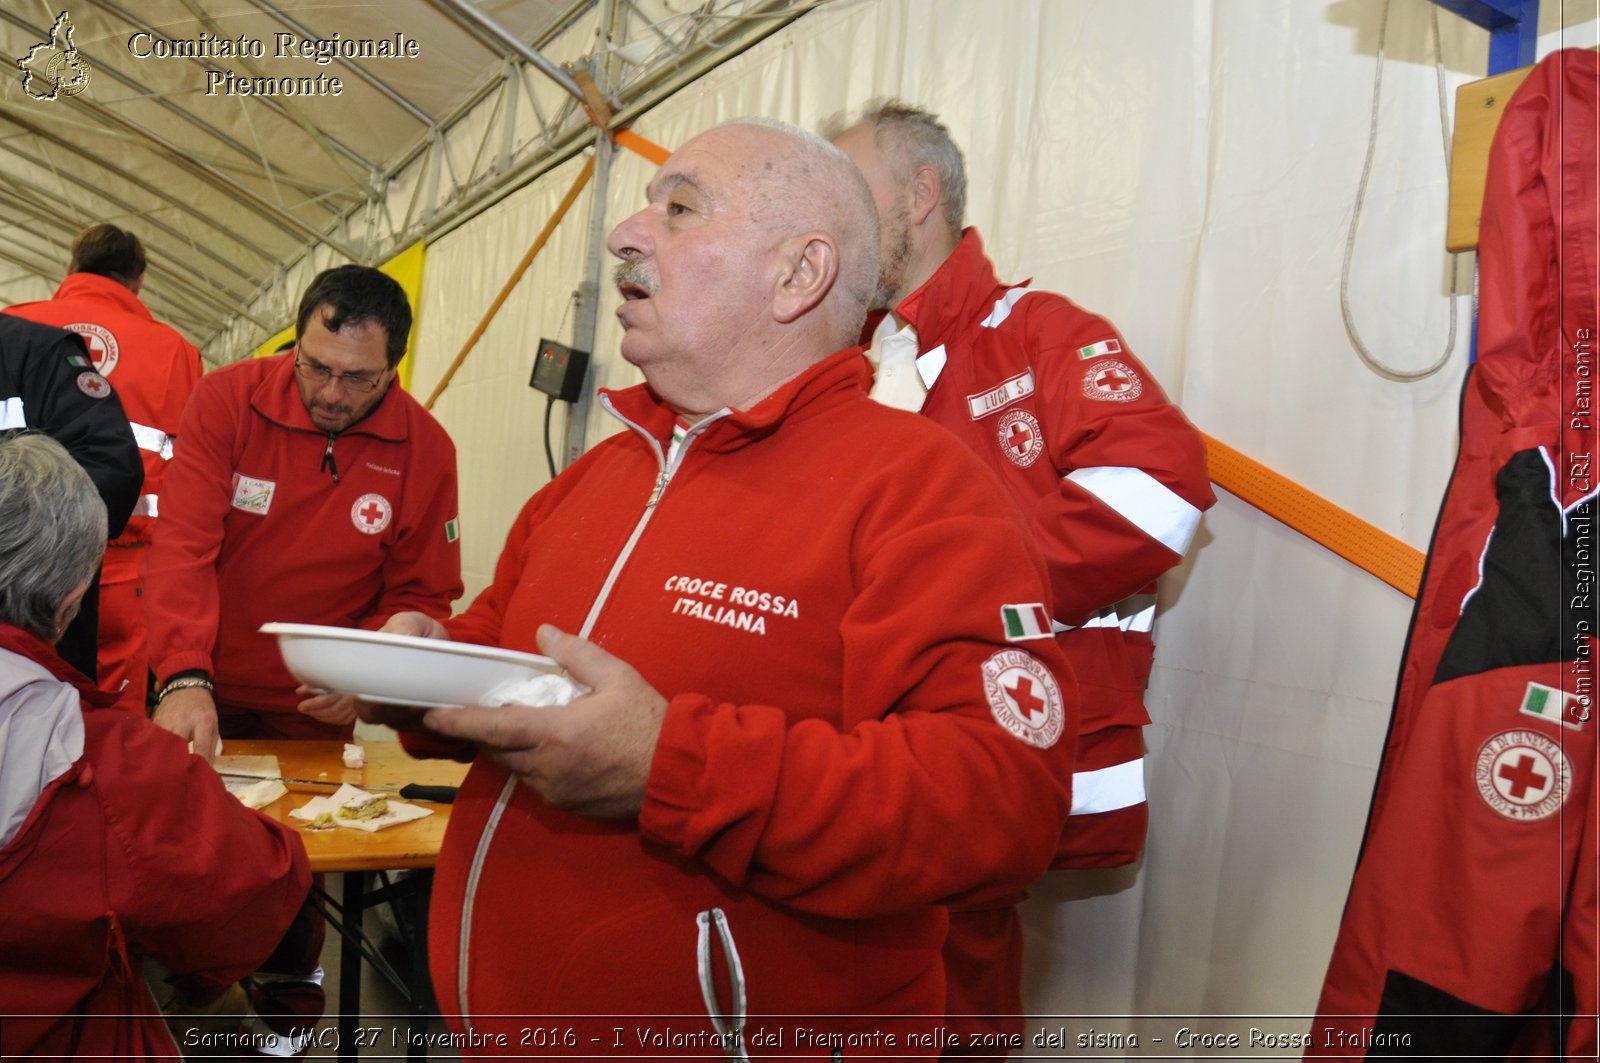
column 550, row 400
column 1402, row 375
column 549, row 455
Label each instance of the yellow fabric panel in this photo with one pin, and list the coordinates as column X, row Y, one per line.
column 273, row 342
column 406, row 267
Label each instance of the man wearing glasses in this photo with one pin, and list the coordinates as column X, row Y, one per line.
column 304, row 487
column 307, row 488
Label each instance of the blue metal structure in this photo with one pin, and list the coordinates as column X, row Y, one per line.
column 1513, row 27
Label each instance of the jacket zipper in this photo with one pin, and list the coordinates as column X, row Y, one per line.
column 480, row 856
column 328, row 464
column 662, row 479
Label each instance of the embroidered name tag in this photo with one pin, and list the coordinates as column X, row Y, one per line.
column 989, row 401
column 252, row 495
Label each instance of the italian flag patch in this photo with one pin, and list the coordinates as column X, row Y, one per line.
column 1026, row 621
column 1551, row 704
column 452, row 529
column 1100, row 350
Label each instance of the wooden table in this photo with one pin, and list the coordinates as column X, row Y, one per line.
column 359, row 855
column 409, row 845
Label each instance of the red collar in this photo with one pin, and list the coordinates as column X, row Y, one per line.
column 80, row 285
column 960, row 293
column 834, row 377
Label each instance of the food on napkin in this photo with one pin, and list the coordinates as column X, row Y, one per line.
column 370, row 806
column 544, row 689
column 254, row 780
column 348, row 798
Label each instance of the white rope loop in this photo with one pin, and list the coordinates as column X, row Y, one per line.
column 1366, row 356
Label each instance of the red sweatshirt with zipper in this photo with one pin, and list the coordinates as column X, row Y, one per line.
column 266, row 517
column 818, row 585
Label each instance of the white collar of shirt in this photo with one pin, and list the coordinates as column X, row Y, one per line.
column 894, row 353
column 680, row 432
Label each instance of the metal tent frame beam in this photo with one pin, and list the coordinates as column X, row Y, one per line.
column 219, row 246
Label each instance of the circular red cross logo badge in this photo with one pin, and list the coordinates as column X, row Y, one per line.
column 1523, row 775
column 93, row 384
column 371, row 513
column 1112, row 381
column 1020, row 438
column 101, row 342
column 1024, row 697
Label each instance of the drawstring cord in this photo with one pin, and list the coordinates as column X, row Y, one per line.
column 730, row 1028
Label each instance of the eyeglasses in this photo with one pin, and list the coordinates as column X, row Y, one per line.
column 319, row 375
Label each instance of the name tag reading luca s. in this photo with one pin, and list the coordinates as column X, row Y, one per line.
column 1004, row 395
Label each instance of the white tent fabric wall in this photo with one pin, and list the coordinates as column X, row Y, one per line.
column 494, row 417
column 1189, row 171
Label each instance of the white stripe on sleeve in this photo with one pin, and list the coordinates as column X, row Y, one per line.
column 1108, row 789
column 1137, row 612
column 1152, row 506
column 1002, row 307
column 152, row 439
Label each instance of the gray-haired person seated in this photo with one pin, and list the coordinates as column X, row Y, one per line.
column 115, row 842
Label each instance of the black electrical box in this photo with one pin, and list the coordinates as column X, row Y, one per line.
column 558, row 370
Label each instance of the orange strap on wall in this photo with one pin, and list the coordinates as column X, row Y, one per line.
column 516, row 275
column 1396, row 563
column 640, row 146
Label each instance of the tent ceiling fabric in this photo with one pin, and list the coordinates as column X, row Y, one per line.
column 239, row 136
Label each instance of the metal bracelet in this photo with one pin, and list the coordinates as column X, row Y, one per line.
column 183, row 683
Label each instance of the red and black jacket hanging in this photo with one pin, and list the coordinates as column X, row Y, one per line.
column 1470, row 926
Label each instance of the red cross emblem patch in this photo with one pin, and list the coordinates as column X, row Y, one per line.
column 1112, row 382
column 1024, row 697
column 102, row 344
column 371, row 513
column 93, row 384
column 1021, row 439
column 1523, row 775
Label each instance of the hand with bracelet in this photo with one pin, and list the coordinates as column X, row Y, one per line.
column 185, row 706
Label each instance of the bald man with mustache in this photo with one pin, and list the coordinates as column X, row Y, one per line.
column 788, row 607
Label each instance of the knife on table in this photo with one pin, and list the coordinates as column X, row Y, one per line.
column 442, row 795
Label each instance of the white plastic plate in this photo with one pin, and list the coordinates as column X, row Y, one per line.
column 401, row 669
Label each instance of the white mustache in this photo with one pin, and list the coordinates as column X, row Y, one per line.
column 636, row 273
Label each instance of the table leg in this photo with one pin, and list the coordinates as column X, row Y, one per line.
column 423, row 1007
column 355, row 887
column 408, row 898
